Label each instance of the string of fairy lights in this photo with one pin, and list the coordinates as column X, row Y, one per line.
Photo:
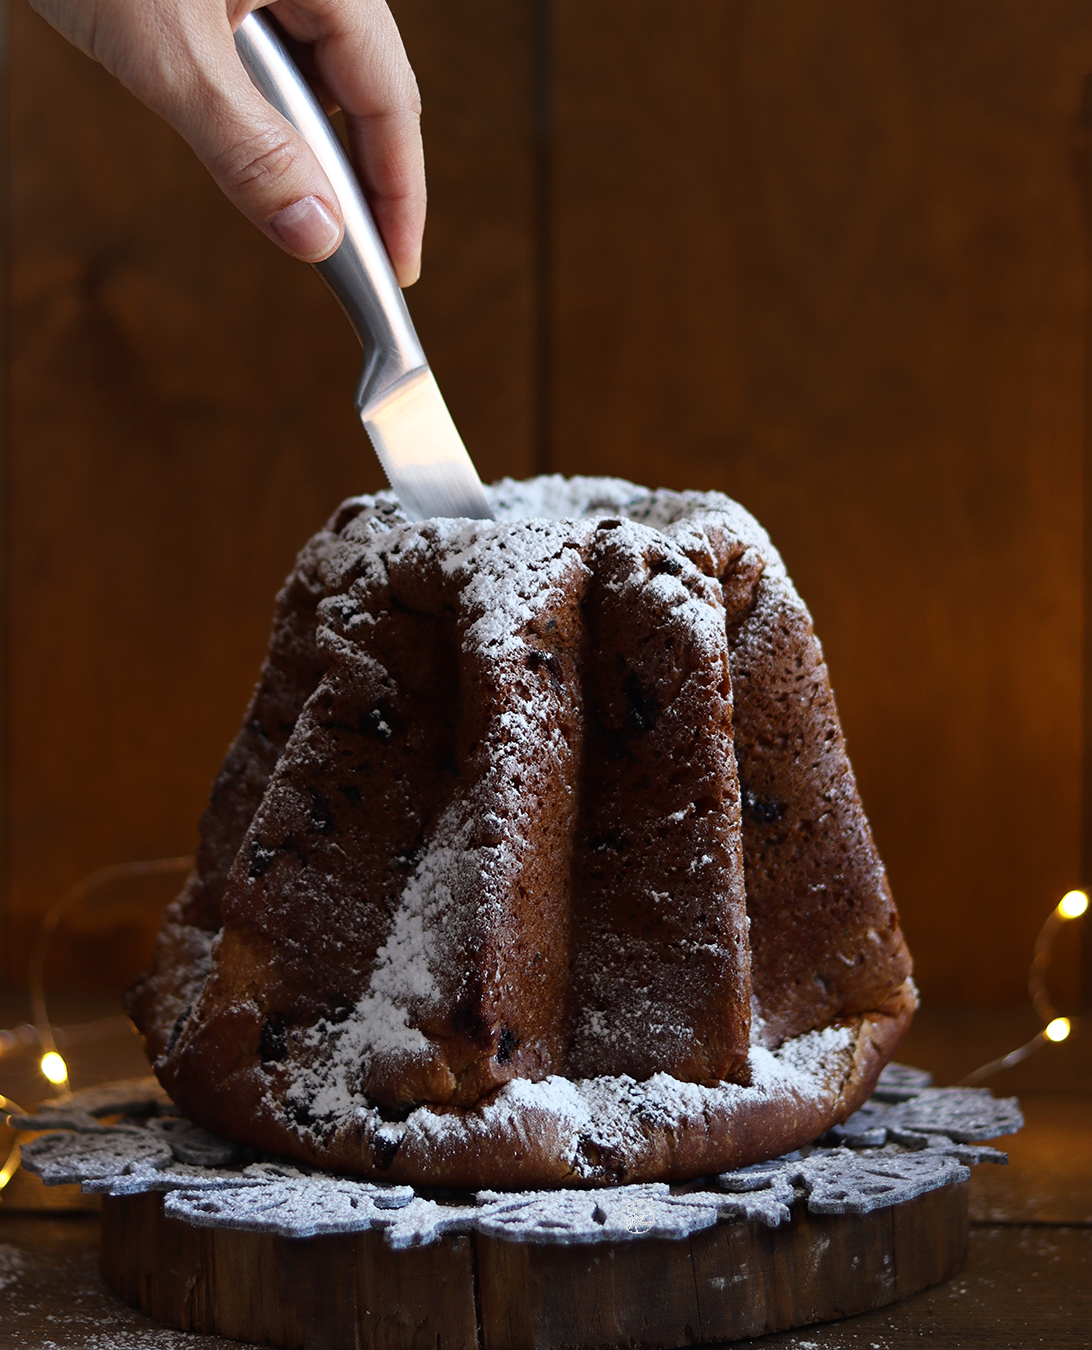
column 42, row 1033
column 52, row 1063
column 1055, row 1028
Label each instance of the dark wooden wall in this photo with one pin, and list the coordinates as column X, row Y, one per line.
column 825, row 255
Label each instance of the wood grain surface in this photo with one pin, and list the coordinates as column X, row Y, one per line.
column 181, row 421
column 827, row 255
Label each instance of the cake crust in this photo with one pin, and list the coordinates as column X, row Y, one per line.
column 477, row 877
column 605, row 1131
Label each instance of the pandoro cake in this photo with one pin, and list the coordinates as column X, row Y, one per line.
column 538, row 859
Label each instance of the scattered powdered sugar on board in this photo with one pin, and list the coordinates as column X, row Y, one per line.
column 12, row 1264
column 150, row 1338
column 144, row 1336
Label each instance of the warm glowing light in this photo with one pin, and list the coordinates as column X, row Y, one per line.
column 1073, row 904
column 1057, row 1030
column 56, row 1070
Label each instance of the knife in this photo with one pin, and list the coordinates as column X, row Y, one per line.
column 397, row 397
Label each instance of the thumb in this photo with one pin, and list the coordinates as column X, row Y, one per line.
column 261, row 163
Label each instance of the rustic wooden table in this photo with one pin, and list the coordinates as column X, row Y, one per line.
column 1027, row 1281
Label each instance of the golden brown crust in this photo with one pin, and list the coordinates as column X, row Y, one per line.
column 543, row 1139
column 825, row 936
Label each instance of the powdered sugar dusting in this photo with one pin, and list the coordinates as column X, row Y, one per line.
column 405, row 984
column 884, row 1155
column 592, row 1117
column 499, row 588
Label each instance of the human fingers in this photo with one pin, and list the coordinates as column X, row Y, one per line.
column 178, row 57
column 358, row 54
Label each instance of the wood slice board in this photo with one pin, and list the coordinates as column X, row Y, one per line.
column 352, row 1292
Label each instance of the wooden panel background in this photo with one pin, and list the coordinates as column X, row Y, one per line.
column 181, row 420
column 828, row 258
column 825, row 255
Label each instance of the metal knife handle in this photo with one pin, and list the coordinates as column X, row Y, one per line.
column 359, row 273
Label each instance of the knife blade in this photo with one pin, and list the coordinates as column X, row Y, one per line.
column 397, row 397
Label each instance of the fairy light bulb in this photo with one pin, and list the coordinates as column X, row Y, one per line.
column 1057, row 1030
column 54, row 1068
column 1073, row 904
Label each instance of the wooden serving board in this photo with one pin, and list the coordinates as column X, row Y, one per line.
column 352, row 1292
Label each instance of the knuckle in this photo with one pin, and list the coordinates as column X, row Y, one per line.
column 256, row 161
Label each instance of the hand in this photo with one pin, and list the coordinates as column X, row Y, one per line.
column 178, row 57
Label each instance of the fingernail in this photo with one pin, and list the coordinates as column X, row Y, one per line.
column 306, row 227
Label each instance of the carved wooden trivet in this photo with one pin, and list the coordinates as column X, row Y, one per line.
column 352, row 1292
column 207, row 1237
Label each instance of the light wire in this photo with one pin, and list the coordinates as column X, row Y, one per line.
column 1068, row 908
column 94, row 881
column 11, row 1162
column 51, row 920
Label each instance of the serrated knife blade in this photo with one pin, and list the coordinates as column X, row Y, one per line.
column 397, row 397
column 422, row 453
